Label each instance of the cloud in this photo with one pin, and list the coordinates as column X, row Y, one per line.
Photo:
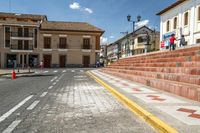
column 75, row 6
column 88, row 10
column 141, row 23
column 111, row 37
column 104, row 40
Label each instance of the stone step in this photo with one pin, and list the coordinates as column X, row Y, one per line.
column 177, row 53
column 184, row 78
column 160, row 64
column 174, row 59
column 182, row 89
column 183, row 70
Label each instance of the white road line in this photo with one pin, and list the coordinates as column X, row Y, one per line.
column 54, row 78
column 64, row 71
column 43, row 94
column 57, row 80
column 54, row 83
column 55, row 71
column 81, row 70
column 73, row 70
column 7, row 114
column 45, row 71
column 50, row 87
column 32, row 106
column 12, row 126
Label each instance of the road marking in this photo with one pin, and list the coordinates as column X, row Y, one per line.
column 73, row 71
column 7, row 114
column 81, row 70
column 54, row 83
column 55, row 71
column 57, row 80
column 45, row 71
column 54, row 78
column 50, row 87
column 12, row 126
column 160, row 125
column 190, row 115
column 32, row 106
column 43, row 94
column 64, row 71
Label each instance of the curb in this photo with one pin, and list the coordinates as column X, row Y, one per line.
column 154, row 121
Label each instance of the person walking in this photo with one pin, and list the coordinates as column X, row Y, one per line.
column 182, row 41
column 172, row 44
column 41, row 65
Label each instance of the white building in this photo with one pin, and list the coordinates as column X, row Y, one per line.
column 181, row 18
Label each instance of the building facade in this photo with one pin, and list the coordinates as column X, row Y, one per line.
column 26, row 40
column 143, row 40
column 180, row 18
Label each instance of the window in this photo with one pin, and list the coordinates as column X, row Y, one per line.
column 198, row 40
column 141, row 39
column 63, row 42
column 47, row 42
column 7, row 36
column 198, row 13
column 20, row 32
column 168, row 25
column 26, row 32
column 86, row 43
column 35, row 37
column 186, row 19
column 175, row 23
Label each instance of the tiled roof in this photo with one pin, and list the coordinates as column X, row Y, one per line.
column 27, row 16
column 171, row 6
column 4, row 22
column 69, row 26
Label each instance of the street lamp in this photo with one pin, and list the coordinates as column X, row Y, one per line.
column 129, row 20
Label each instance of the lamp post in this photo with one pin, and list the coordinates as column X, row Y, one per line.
column 129, row 20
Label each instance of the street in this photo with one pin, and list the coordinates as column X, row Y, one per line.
column 60, row 101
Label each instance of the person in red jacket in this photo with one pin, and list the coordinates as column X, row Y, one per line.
column 171, row 41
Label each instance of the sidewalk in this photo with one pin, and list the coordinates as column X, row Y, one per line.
column 9, row 71
column 179, row 113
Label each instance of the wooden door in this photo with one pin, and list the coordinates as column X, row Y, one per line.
column 62, row 60
column 47, row 61
column 86, row 61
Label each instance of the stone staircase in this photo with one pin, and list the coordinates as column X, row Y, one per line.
column 176, row 71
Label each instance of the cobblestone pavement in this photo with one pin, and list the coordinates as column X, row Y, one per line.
column 74, row 103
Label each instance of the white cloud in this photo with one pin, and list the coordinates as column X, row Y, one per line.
column 104, row 40
column 111, row 37
column 142, row 23
column 88, row 10
column 75, row 6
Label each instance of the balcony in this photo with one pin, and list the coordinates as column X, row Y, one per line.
column 62, row 47
column 27, row 36
column 21, row 47
column 86, row 48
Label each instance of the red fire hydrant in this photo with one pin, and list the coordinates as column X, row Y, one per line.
column 13, row 75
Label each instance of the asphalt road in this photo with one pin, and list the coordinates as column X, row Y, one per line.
column 63, row 101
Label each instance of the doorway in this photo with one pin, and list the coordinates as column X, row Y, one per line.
column 47, row 61
column 86, row 61
column 62, row 60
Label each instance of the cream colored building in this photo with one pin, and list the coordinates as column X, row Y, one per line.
column 26, row 40
column 181, row 18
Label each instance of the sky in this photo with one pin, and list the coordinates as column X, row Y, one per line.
column 109, row 15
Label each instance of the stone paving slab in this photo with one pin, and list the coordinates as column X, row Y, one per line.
column 77, row 104
column 180, row 113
